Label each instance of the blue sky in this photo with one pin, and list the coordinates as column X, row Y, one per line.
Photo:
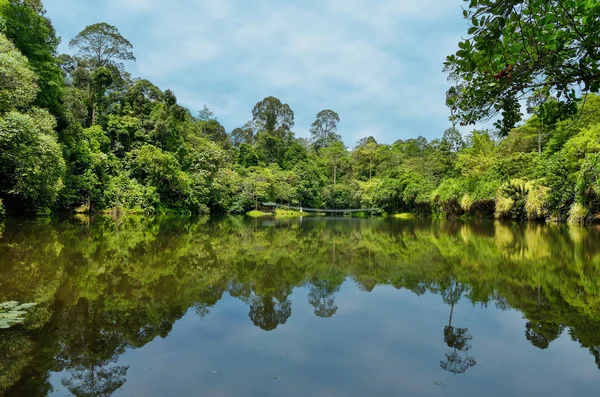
column 377, row 63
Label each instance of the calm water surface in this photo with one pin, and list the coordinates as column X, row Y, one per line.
column 311, row 307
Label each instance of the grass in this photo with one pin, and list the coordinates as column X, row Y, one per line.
column 405, row 215
column 289, row 213
column 258, row 214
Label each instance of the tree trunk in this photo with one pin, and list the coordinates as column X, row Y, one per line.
column 334, row 174
column 94, row 113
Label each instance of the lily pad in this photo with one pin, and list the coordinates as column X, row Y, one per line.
column 12, row 313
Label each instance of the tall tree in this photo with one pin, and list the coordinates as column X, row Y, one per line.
column 31, row 163
column 103, row 45
column 335, row 155
column 323, row 130
column 270, row 115
column 206, row 114
column 365, row 156
column 241, row 135
column 517, row 46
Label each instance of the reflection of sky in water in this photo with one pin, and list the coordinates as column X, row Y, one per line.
column 386, row 342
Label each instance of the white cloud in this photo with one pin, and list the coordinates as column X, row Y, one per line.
column 378, row 64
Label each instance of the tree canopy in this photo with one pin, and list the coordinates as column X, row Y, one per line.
column 515, row 47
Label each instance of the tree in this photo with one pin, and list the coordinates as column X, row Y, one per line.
column 31, row 163
column 335, row 155
column 270, row 115
column 103, row 45
column 256, row 185
column 271, row 147
column 365, row 156
column 215, row 132
column 323, row 130
column 26, row 25
column 247, row 157
column 241, row 135
column 453, row 139
column 18, row 81
column 206, row 114
column 517, row 46
column 294, row 155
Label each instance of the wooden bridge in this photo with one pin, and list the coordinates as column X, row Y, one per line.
column 322, row 210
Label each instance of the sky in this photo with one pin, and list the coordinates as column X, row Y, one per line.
column 378, row 64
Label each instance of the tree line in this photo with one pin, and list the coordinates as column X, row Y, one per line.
column 78, row 133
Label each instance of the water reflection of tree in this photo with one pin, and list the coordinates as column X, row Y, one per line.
column 97, row 380
column 458, row 361
column 92, row 345
column 322, row 297
column 140, row 280
column 268, row 312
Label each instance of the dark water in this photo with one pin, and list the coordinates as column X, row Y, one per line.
column 317, row 307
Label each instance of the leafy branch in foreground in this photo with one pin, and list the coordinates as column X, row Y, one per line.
column 516, row 47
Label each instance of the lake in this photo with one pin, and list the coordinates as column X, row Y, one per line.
column 233, row 306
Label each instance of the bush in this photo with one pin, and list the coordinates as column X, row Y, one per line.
column 536, row 205
column 578, row 215
column 511, row 199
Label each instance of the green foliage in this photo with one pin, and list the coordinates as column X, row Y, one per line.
column 103, row 45
column 512, row 199
column 247, row 157
column 30, row 160
column 271, row 115
column 323, row 130
column 576, row 148
column 515, row 47
column 34, row 36
column 17, row 81
column 122, row 143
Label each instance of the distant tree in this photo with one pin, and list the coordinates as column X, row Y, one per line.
column 334, row 155
column 453, row 139
column 247, row 157
column 365, row 156
column 294, row 155
column 241, row 135
column 215, row 132
column 103, row 45
column 270, row 115
column 206, row 114
column 323, row 130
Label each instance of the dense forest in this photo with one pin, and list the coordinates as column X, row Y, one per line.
column 78, row 133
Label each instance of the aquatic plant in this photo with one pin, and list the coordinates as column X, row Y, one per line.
column 12, row 313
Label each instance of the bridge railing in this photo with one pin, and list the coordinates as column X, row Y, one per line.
column 324, row 210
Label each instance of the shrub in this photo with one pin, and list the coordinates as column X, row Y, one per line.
column 536, row 205
column 578, row 214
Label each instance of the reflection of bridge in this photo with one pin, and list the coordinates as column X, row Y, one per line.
column 303, row 209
